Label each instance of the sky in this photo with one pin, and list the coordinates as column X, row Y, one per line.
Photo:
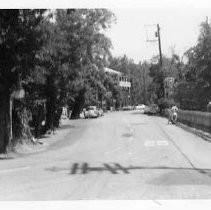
column 179, row 21
column 179, row 31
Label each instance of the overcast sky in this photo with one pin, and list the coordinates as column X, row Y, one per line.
column 179, row 21
column 180, row 28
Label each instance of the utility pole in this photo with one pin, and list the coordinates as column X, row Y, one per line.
column 160, row 53
column 159, row 45
column 157, row 34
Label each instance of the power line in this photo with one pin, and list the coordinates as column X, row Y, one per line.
column 148, row 32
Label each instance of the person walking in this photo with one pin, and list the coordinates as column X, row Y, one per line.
column 173, row 114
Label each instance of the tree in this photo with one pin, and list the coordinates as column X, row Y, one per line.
column 196, row 86
column 185, row 95
column 87, row 51
column 157, row 85
column 138, row 75
column 20, row 39
column 53, row 59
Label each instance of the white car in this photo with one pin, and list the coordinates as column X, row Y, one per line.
column 140, row 107
column 91, row 112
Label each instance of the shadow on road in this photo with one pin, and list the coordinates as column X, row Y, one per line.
column 176, row 176
column 184, row 177
column 137, row 112
column 63, row 127
column 6, row 158
column 127, row 135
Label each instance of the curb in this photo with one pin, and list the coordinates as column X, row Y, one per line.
column 206, row 136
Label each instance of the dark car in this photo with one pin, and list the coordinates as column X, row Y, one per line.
column 152, row 109
column 127, row 108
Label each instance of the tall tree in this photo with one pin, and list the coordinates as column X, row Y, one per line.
column 197, row 73
column 20, row 39
column 88, row 49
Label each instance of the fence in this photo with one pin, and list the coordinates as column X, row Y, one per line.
column 196, row 119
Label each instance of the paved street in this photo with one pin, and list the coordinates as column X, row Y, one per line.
column 123, row 155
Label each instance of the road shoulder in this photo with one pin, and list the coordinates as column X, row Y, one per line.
column 42, row 144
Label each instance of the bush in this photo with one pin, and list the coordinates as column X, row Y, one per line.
column 165, row 103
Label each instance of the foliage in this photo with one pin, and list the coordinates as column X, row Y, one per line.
column 73, row 58
column 157, row 85
column 20, row 39
column 165, row 103
column 195, row 91
column 60, row 60
column 138, row 76
column 88, row 49
column 59, row 57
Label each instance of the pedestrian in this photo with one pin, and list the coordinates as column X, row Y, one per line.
column 173, row 114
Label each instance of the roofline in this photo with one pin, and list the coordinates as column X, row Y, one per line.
column 112, row 71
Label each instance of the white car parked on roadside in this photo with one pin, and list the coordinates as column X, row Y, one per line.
column 91, row 112
column 140, row 107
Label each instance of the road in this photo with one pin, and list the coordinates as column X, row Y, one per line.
column 123, row 155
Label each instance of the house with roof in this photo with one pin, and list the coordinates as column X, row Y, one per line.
column 124, row 84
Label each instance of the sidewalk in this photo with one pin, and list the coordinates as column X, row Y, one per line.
column 206, row 136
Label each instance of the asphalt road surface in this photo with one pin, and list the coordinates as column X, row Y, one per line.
column 123, row 155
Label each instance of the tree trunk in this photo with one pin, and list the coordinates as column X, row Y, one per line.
column 78, row 105
column 50, row 115
column 5, row 122
column 51, row 102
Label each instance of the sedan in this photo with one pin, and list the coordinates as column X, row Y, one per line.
column 91, row 112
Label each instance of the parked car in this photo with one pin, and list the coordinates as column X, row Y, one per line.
column 126, row 108
column 140, row 107
column 100, row 112
column 152, row 109
column 91, row 112
column 146, row 109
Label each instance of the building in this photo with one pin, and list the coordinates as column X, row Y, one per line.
column 124, row 83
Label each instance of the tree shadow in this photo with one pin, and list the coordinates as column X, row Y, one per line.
column 6, row 158
column 64, row 127
column 137, row 112
column 183, row 177
column 127, row 135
